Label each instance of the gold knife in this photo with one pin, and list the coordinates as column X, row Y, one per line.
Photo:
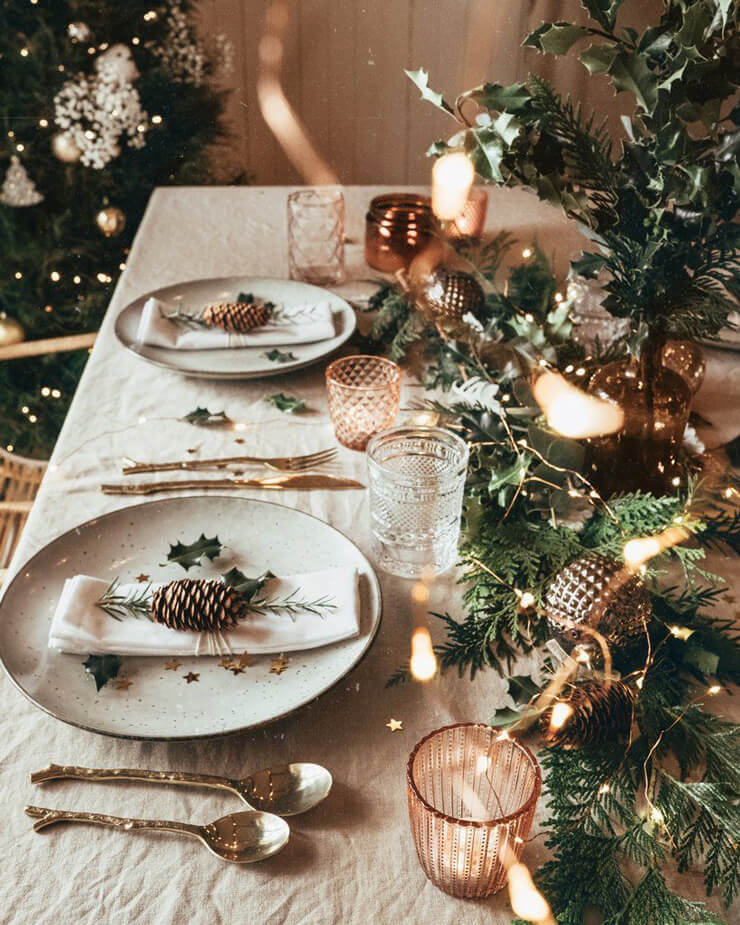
column 281, row 483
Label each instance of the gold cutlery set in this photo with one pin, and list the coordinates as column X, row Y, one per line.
column 241, row 838
column 292, row 473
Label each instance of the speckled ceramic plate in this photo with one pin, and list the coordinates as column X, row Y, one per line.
column 236, row 362
column 160, row 704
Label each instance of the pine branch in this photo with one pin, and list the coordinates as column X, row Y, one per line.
column 136, row 603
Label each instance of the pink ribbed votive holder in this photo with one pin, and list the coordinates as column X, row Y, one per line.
column 472, row 794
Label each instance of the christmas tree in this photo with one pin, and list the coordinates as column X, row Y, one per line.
column 100, row 102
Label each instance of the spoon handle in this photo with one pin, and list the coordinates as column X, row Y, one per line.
column 47, row 817
column 70, row 772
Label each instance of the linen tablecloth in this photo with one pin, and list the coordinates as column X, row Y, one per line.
column 351, row 860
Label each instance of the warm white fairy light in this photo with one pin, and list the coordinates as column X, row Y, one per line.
column 32, row 418
column 44, row 123
column 10, row 447
column 637, row 552
column 681, row 632
column 561, row 713
column 573, row 413
column 135, row 40
column 55, row 393
column 20, row 147
column 25, row 409
column 24, row 52
column 526, row 600
column 714, row 689
column 55, row 276
column 45, row 391
column 156, row 120
column 18, row 274
column 77, row 280
column 604, row 789
column 452, row 177
column 527, row 253
column 558, row 297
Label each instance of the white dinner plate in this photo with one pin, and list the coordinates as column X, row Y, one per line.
column 236, row 362
column 160, row 704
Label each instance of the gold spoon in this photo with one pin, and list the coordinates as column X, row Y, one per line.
column 286, row 789
column 242, row 838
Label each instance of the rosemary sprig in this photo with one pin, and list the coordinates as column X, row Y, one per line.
column 183, row 319
column 117, row 605
column 292, row 605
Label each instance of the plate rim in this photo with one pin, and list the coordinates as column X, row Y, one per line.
column 375, row 585
column 216, row 374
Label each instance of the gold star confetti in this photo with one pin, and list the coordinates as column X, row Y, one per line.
column 171, row 665
column 245, row 660
column 279, row 665
column 395, row 725
column 123, row 684
column 239, row 440
column 235, row 668
column 225, row 662
column 192, row 449
column 191, row 676
column 142, row 578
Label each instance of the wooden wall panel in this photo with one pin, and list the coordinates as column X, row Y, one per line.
column 343, row 74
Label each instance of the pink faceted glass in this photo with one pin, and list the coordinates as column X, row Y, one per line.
column 364, row 394
column 472, row 795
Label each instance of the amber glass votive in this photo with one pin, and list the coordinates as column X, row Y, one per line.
column 364, row 394
column 397, row 227
column 472, row 794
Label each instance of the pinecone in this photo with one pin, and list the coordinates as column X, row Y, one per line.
column 601, row 712
column 450, row 294
column 237, row 316
column 204, row 605
column 599, row 593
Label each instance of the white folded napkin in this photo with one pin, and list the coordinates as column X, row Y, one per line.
column 298, row 324
column 80, row 627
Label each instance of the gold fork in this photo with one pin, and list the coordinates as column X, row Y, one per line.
column 279, row 463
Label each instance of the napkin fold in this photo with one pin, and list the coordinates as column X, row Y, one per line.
column 298, row 324
column 80, row 627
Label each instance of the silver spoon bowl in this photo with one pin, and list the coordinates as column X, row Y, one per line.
column 242, row 838
column 286, row 790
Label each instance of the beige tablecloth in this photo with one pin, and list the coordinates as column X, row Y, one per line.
column 351, row 860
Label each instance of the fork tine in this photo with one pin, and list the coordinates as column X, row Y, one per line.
column 306, row 462
column 329, row 451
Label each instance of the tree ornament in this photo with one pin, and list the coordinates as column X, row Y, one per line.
column 199, row 604
column 600, row 711
column 18, row 188
column 79, row 32
column 64, row 148
column 111, row 221
column 11, row 332
column 597, row 593
column 118, row 61
column 236, row 316
column 446, row 296
column 687, row 359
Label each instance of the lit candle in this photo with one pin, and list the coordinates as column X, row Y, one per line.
column 452, row 177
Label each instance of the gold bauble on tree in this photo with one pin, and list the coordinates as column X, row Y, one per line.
column 11, row 332
column 111, row 221
column 64, row 148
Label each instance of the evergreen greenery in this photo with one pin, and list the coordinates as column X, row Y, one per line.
column 38, row 55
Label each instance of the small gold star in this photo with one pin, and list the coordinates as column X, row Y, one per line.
column 235, row 668
column 171, row 665
column 395, row 725
column 191, row 676
column 142, row 578
column 239, row 440
column 279, row 665
column 225, row 662
column 123, row 684
column 245, row 660
column 192, row 449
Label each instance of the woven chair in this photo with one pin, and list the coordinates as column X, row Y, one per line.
column 19, row 483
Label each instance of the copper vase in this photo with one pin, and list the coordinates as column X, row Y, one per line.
column 644, row 454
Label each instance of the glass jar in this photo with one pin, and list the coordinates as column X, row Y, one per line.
column 397, row 227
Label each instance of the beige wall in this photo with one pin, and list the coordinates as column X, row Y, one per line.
column 344, row 75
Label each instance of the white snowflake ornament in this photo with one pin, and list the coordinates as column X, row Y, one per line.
column 118, row 61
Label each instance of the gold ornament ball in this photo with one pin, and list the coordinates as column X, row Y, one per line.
column 11, row 331
column 64, row 148
column 111, row 221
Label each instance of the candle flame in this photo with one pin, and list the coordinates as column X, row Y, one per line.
column 526, row 900
column 423, row 662
column 452, row 177
column 573, row 413
column 637, row 552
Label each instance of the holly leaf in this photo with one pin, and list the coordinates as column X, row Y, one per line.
column 555, row 38
column 287, row 403
column 277, row 356
column 189, row 554
column 598, row 58
column 421, row 79
column 630, row 73
column 103, row 668
column 247, row 587
column 202, row 416
column 499, row 98
column 603, row 11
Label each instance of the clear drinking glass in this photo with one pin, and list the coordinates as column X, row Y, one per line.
column 472, row 796
column 316, row 236
column 417, row 477
column 364, row 393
